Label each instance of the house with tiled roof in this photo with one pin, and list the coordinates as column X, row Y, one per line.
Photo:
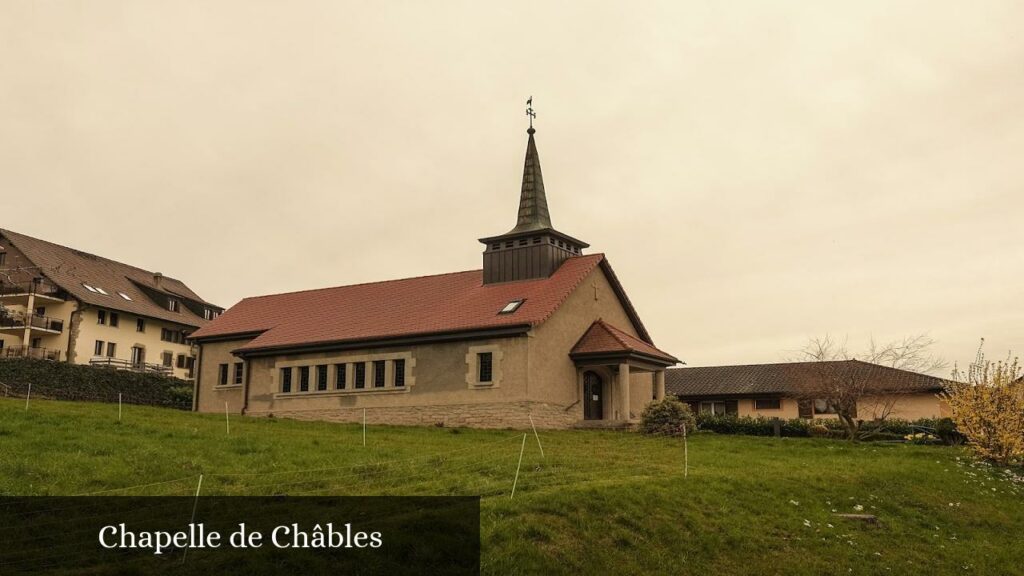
column 786, row 390
column 542, row 333
column 60, row 303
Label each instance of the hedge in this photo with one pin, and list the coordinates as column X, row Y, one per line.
column 892, row 429
column 64, row 381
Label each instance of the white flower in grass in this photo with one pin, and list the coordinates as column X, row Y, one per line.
column 807, row 523
column 794, row 502
column 858, row 508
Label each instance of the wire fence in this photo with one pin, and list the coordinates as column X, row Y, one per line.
column 532, row 461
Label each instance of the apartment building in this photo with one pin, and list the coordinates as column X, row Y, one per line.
column 59, row 303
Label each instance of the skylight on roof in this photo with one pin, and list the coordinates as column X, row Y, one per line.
column 89, row 288
column 512, row 306
column 125, row 296
column 102, row 291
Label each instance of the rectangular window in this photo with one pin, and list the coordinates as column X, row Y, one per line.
column 181, row 361
column 360, row 374
column 168, row 359
column 378, row 373
column 222, row 378
column 720, row 407
column 286, row 380
column 339, row 376
column 767, row 404
column 172, row 305
column 485, row 361
column 321, row 377
column 303, row 378
column 239, row 369
column 400, row 373
column 114, row 319
column 140, row 325
column 101, row 316
column 98, row 349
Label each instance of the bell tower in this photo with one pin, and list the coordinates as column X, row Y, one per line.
column 533, row 249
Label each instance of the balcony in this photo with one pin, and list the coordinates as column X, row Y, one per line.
column 18, row 292
column 119, row 364
column 35, row 323
column 32, row 352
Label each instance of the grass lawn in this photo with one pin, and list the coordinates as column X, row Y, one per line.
column 595, row 503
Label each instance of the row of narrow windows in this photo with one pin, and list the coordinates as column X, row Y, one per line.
column 302, row 378
column 536, row 240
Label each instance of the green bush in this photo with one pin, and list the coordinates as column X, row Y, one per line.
column 63, row 381
column 750, row 426
column 667, row 417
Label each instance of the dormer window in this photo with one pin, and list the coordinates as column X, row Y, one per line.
column 173, row 305
column 512, row 306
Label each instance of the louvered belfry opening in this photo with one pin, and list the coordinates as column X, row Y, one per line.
column 533, row 249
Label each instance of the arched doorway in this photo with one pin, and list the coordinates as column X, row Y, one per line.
column 593, row 396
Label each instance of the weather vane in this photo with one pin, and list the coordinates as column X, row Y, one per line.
column 529, row 110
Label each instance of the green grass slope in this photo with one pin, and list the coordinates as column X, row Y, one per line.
column 594, row 503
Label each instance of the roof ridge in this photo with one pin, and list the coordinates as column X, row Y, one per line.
column 309, row 290
column 767, row 364
column 614, row 333
column 8, row 233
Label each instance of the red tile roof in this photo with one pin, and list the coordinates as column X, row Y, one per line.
column 397, row 308
column 603, row 338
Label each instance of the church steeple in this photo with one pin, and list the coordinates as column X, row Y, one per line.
column 533, row 249
column 533, row 203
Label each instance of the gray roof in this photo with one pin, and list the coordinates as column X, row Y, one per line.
column 533, row 203
column 781, row 379
column 72, row 269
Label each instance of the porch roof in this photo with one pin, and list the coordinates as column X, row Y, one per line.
column 605, row 343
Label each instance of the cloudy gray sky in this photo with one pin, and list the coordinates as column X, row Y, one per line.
column 756, row 172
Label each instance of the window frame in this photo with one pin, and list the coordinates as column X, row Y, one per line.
column 303, row 378
column 340, row 376
column 222, row 375
column 776, row 403
column 321, row 378
column 380, row 373
column 359, row 375
column 398, row 370
column 481, row 365
column 286, row 380
column 239, row 373
column 101, row 317
column 97, row 348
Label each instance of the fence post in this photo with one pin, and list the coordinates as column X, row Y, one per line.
column 227, row 421
column 532, row 425
column 28, row 395
column 686, row 455
column 518, row 466
column 195, row 504
column 364, row 427
column 118, row 406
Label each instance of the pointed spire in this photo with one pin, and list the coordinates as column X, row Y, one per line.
column 533, row 203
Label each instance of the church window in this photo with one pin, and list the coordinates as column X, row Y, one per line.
column 486, row 365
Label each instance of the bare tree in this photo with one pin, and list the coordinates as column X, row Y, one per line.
column 869, row 384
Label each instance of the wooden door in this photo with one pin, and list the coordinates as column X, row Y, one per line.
column 593, row 394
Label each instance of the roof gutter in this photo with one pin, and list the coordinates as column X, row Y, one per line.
column 438, row 337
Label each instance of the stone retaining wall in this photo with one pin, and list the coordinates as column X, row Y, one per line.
column 483, row 415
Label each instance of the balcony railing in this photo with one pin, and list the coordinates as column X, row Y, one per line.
column 35, row 287
column 34, row 321
column 120, row 364
column 32, row 352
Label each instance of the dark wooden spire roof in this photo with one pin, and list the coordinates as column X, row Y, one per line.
column 533, row 203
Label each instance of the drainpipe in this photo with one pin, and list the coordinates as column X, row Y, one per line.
column 245, row 386
column 195, row 381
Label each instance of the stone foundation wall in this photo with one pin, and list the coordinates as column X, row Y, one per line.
column 485, row 415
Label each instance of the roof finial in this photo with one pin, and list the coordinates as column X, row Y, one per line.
column 530, row 113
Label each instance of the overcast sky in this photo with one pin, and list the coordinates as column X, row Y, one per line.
column 756, row 172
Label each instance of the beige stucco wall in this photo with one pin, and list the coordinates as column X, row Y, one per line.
column 534, row 376
column 211, row 397
column 905, row 407
column 87, row 331
column 551, row 369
